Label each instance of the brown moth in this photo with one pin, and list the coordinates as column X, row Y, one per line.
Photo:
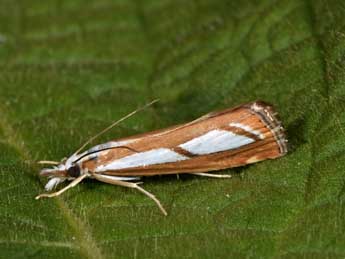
column 233, row 137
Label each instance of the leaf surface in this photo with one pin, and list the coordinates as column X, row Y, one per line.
column 70, row 68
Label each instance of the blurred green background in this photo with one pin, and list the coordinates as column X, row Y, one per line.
column 70, row 68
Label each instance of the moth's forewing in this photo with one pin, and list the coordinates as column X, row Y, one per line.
column 219, row 140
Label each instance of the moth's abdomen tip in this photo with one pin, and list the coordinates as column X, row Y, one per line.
column 270, row 118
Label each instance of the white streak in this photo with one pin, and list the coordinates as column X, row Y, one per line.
column 95, row 149
column 151, row 157
column 215, row 141
column 110, row 144
column 248, row 129
column 71, row 159
column 121, row 178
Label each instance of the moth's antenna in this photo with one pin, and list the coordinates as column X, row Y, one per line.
column 115, row 123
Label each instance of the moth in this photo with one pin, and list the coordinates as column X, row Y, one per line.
column 229, row 138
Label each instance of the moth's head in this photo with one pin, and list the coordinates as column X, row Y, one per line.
column 66, row 170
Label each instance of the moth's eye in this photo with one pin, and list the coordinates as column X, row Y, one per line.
column 73, row 171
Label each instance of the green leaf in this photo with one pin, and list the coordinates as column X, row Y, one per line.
column 70, row 68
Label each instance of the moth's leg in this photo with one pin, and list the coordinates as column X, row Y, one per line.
column 107, row 179
column 71, row 185
column 47, row 162
column 213, row 175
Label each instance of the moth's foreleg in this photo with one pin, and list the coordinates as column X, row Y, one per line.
column 107, row 179
column 71, row 185
column 213, row 175
column 47, row 162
